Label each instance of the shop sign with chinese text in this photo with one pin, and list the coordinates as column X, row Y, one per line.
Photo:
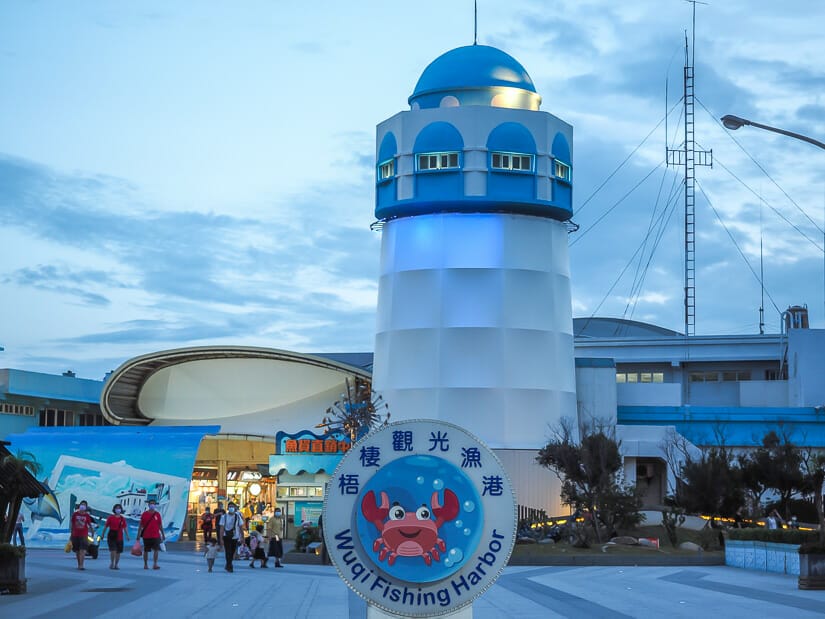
column 307, row 451
column 420, row 518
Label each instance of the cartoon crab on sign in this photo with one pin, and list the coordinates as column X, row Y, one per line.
column 406, row 534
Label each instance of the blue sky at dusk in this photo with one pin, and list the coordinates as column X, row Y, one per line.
column 202, row 173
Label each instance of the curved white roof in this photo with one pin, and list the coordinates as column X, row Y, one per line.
column 219, row 383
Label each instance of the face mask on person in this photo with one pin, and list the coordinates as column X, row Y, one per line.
column 118, row 510
column 82, row 508
column 231, row 510
column 151, row 507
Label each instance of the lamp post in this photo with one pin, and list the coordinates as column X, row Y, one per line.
column 735, row 122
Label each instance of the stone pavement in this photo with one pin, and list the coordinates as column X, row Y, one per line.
column 183, row 588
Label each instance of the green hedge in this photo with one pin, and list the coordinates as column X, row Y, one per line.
column 779, row 536
column 812, row 548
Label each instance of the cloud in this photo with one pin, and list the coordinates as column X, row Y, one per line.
column 199, row 277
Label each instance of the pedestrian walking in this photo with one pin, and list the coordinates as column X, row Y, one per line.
column 211, row 553
column 18, row 530
column 276, row 549
column 256, row 545
column 151, row 530
column 230, row 533
column 82, row 528
column 206, row 525
column 117, row 528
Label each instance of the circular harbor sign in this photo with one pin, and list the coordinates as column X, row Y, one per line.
column 419, row 518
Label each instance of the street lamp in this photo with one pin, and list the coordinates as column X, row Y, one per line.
column 735, row 122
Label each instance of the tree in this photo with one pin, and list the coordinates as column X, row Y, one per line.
column 814, row 478
column 753, row 465
column 589, row 471
column 710, row 483
column 782, row 468
column 16, row 475
column 358, row 411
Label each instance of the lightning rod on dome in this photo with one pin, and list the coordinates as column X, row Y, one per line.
column 475, row 22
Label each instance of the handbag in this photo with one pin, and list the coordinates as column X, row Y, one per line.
column 136, row 550
column 163, row 546
column 68, row 546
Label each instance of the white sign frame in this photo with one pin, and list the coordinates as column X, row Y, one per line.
column 467, row 537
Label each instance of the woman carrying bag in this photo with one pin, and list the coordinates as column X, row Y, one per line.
column 117, row 527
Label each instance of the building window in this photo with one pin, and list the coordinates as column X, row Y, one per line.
column 55, row 417
column 17, row 409
column 511, row 161
column 640, row 377
column 386, row 170
column 704, row 377
column 437, row 161
column 736, row 376
column 91, row 419
column 562, row 170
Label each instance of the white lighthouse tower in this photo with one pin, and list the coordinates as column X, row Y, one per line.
column 474, row 322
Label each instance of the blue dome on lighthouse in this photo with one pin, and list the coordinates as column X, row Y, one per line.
column 475, row 75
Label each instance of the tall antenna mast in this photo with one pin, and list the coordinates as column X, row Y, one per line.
column 475, row 22
column 761, row 271
column 689, row 157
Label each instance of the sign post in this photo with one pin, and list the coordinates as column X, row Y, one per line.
column 420, row 519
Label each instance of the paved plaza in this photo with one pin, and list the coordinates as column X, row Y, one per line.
column 183, row 588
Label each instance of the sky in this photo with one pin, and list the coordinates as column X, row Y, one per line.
column 197, row 173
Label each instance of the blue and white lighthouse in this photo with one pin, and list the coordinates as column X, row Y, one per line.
column 474, row 185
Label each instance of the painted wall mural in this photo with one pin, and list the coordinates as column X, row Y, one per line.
column 104, row 466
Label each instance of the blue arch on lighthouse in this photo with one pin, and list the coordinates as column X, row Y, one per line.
column 444, row 184
column 517, row 185
column 385, row 190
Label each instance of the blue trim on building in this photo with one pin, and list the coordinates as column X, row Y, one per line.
column 50, row 386
column 740, row 427
column 409, row 208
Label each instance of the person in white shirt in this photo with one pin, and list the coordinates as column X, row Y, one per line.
column 230, row 532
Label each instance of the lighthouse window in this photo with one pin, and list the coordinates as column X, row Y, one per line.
column 386, row 170
column 562, row 170
column 512, row 161
column 437, row 161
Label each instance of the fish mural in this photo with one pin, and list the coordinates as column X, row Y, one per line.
column 44, row 506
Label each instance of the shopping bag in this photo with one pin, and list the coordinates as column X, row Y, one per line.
column 163, row 546
column 136, row 550
column 92, row 551
column 68, row 546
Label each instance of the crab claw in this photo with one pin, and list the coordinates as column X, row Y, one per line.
column 374, row 512
column 447, row 511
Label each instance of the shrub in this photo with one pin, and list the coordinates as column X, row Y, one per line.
column 778, row 536
column 812, row 548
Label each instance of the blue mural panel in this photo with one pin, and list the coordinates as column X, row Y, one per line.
column 104, row 466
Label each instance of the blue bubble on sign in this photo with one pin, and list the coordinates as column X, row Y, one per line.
column 459, row 523
column 419, row 480
column 467, row 531
column 406, row 545
column 469, row 506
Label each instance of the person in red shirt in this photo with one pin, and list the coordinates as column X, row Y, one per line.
column 82, row 525
column 117, row 527
column 151, row 530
